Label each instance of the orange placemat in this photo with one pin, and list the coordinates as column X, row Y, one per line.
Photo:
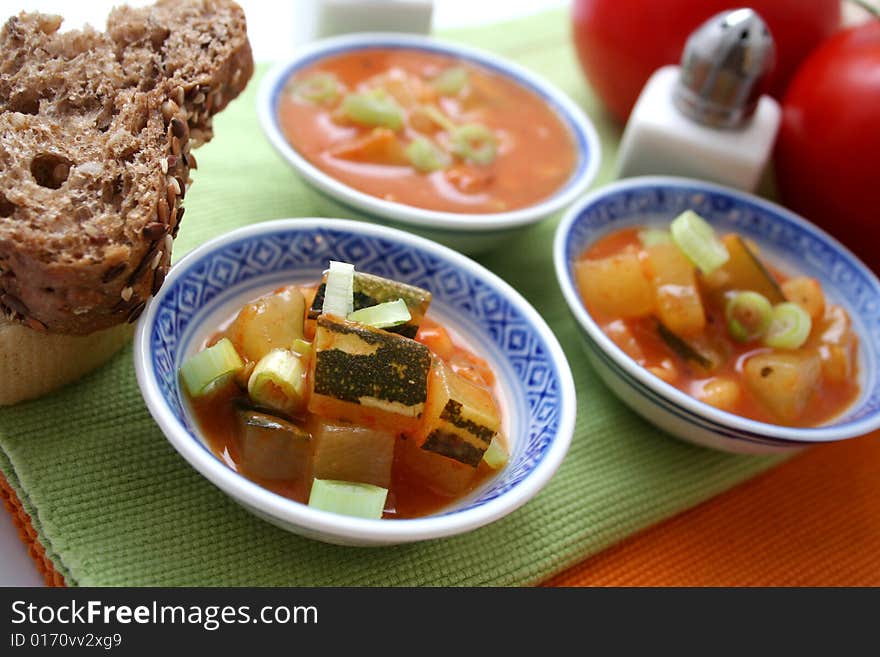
column 814, row 521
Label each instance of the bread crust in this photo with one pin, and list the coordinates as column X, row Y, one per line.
column 96, row 132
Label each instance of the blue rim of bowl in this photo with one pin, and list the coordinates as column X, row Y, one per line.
column 580, row 127
column 668, row 397
column 286, row 510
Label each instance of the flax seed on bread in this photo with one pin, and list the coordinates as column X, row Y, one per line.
column 96, row 132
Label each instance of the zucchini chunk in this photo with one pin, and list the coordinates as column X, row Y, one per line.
column 696, row 352
column 461, row 417
column 440, row 474
column 784, row 382
column 368, row 376
column 273, row 448
column 352, row 453
column 370, row 290
column 743, row 271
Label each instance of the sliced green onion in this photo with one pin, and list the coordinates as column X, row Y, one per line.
column 211, row 368
column 339, row 290
column 475, row 142
column 439, row 118
column 426, row 156
column 652, row 236
column 789, row 327
column 277, row 382
column 748, row 315
column 375, row 108
column 321, row 89
column 496, row 455
column 302, row 347
column 451, row 81
column 348, row 498
column 698, row 241
column 383, row 315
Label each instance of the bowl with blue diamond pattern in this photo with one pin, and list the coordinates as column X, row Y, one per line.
column 535, row 390
column 793, row 245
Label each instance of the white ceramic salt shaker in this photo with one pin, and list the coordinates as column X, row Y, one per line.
column 344, row 16
column 708, row 118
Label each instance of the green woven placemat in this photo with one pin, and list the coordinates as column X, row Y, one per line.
column 113, row 503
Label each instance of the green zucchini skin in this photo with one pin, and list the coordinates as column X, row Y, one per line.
column 370, row 290
column 396, row 371
column 451, row 445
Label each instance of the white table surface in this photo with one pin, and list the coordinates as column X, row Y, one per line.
column 275, row 29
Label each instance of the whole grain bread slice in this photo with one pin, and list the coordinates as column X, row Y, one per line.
column 96, row 131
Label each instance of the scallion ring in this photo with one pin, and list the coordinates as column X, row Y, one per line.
column 789, row 327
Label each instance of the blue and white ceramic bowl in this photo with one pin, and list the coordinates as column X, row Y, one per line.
column 791, row 243
column 536, row 391
column 468, row 233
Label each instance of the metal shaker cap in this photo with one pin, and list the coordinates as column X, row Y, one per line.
column 724, row 69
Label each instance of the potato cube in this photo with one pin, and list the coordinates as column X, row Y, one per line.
column 679, row 306
column 272, row 448
column 783, row 382
column 615, row 286
column 368, row 376
column 460, row 419
column 346, row 452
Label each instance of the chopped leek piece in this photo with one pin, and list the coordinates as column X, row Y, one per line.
column 277, row 382
column 320, row 89
column 383, row 315
column 302, row 347
column 375, row 108
column 475, row 142
column 697, row 240
column 339, row 292
column 748, row 315
column 438, row 117
column 211, row 368
column 496, row 455
column 789, row 327
column 426, row 156
column 348, row 498
column 451, row 81
column 652, row 236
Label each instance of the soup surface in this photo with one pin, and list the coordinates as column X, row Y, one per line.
column 427, row 130
column 683, row 325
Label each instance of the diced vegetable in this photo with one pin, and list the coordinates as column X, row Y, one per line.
column 678, row 303
column 783, row 381
column 623, row 337
column 807, row 293
column 302, row 347
column 789, row 328
column 272, row 448
column 743, row 271
column 435, row 471
column 211, row 368
column 338, row 298
column 278, row 382
column 370, row 290
column 475, row 143
column 451, row 81
column 721, row 392
column 496, row 455
column 373, row 108
column 428, row 118
column 748, row 315
column 694, row 352
column 836, row 345
column 379, row 146
column 615, row 286
column 426, row 156
column 697, row 240
column 320, row 89
column 460, row 417
column 348, row 498
column 271, row 322
column 368, row 376
column 353, row 453
column 383, row 315
column 652, row 236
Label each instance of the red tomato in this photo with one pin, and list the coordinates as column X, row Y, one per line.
column 828, row 152
column 620, row 43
